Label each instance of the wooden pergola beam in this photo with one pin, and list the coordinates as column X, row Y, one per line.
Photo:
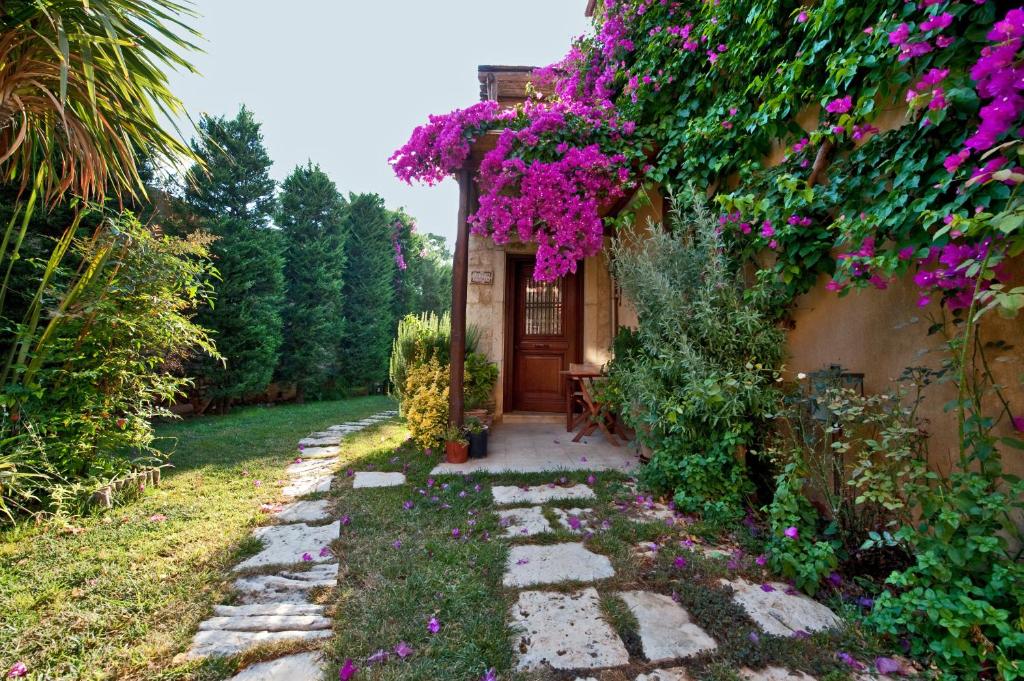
column 460, row 286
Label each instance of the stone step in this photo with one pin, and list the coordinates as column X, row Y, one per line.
column 225, row 643
column 779, row 610
column 528, row 565
column 305, row 512
column 507, row 495
column 565, row 631
column 319, row 452
column 773, row 674
column 268, row 609
column 523, row 522
column 300, row 487
column 266, row 623
column 330, row 440
column 301, row 667
column 666, row 631
column 286, row 544
column 368, row 479
column 286, row 587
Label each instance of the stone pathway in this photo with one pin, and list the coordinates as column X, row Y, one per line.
column 565, row 630
column 275, row 605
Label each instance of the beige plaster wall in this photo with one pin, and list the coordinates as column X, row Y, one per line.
column 485, row 306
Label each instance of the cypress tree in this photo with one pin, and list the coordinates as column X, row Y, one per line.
column 368, row 292
column 233, row 199
column 312, row 222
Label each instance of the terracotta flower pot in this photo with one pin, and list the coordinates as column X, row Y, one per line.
column 456, row 452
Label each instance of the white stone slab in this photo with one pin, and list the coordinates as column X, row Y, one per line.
column 331, row 440
column 286, row 587
column 666, row 631
column 505, row 496
column 582, row 516
column 301, row 667
column 565, row 631
column 674, row 674
column 309, row 467
column 773, row 674
column 300, row 487
column 528, row 565
column 268, row 609
column 366, row 479
column 524, row 522
column 319, row 452
column 285, row 544
column 224, row 643
column 780, row 613
column 305, row 512
column 266, row 623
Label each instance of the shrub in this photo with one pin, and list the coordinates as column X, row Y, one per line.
column 426, row 401
column 419, row 338
column 700, row 372
column 481, row 377
column 106, row 364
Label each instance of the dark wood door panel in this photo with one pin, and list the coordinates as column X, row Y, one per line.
column 545, row 337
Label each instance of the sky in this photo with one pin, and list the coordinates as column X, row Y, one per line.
column 343, row 83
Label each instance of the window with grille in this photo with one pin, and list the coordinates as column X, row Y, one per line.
column 543, row 314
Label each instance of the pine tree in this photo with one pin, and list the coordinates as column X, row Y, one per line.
column 312, row 222
column 368, row 293
column 233, row 198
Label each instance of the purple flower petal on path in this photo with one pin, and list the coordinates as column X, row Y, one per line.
column 346, row 520
column 17, row 671
column 887, row 665
column 680, row 562
column 574, row 522
column 761, row 560
column 767, row 588
column 407, row 505
column 456, row 532
column 522, row 561
column 396, row 544
column 490, row 675
column 325, row 552
column 348, row 670
column 403, row 650
column 591, row 479
column 306, row 557
column 433, row 626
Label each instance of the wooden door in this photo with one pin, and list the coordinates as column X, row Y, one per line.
column 546, row 329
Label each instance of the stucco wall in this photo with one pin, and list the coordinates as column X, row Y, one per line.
column 485, row 307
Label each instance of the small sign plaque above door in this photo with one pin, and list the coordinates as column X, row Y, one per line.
column 482, row 278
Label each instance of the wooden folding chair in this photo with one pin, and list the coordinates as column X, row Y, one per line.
column 599, row 414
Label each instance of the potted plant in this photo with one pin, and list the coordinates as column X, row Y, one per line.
column 477, row 433
column 456, row 446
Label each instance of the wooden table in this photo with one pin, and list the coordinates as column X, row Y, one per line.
column 574, row 375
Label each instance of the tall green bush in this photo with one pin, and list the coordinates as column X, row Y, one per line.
column 419, row 338
column 701, row 371
column 110, row 359
column 311, row 219
column 233, row 198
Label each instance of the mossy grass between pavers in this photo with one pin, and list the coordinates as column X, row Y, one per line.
column 115, row 595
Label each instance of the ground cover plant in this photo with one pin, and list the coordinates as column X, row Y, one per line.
column 117, row 595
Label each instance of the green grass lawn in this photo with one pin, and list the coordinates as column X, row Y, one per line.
column 123, row 597
column 118, row 594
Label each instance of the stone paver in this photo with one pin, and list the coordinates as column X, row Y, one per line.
column 575, row 520
column 332, row 439
column 666, row 631
column 304, row 512
column 369, row 479
column 268, row 609
column 300, row 487
column 301, row 667
column 286, row 544
column 286, row 587
column 529, row 565
column 674, row 674
column 778, row 612
column 308, row 467
column 224, row 643
column 773, row 674
column 320, row 452
column 267, row 623
column 565, row 631
column 523, row 522
column 506, row 495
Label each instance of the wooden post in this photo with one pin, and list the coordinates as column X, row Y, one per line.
column 460, row 283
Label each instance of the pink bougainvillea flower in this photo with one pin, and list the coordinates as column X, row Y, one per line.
column 940, row 21
column 792, row 532
column 851, row 662
column 348, row 670
column 767, row 588
column 306, row 557
column 840, row 106
column 574, row 522
column 761, row 560
column 346, row 520
column 835, row 579
column 298, row 459
column 522, row 561
column 325, row 552
column 1018, row 423
column 407, row 505
column 456, row 532
column 801, row 18
column 257, row 483
column 17, row 671
column 403, row 650
column 591, row 479
column 680, row 562
column 754, row 637
column 433, row 625
column 157, row 518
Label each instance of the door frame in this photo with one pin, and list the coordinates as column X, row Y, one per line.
column 508, row 368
